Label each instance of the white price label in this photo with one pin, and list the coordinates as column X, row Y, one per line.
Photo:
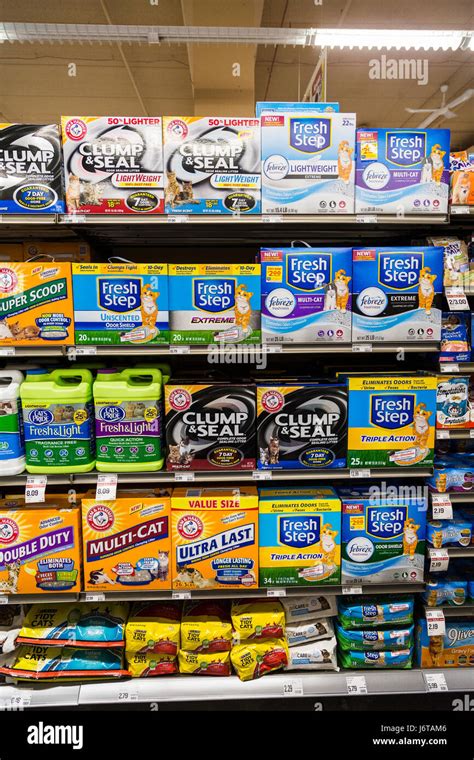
column 435, row 622
column 362, row 348
column 351, row 590
column 459, row 210
column 441, row 507
column 356, row 685
column 456, row 299
column 7, row 351
column 35, row 489
column 262, row 474
column 276, row 591
column 184, row 477
column 180, row 349
column 293, row 687
column 272, row 349
column 106, row 487
column 449, row 368
column 95, row 597
column 181, row 595
column 86, row 350
column 272, row 219
column 471, row 433
column 441, row 434
column 176, row 219
column 18, row 702
column 439, row 560
column 435, row 682
column 73, row 218
column 127, row 696
column 4, row 599
column 360, row 472
column 366, row 219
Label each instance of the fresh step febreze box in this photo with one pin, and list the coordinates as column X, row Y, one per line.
column 215, row 538
column 391, row 421
column 383, row 536
column 40, row 550
column 36, row 306
column 212, row 165
column 402, row 171
column 127, row 542
column 300, row 531
column 397, row 294
column 308, row 163
column 306, row 295
column 120, row 304
column 113, row 164
column 214, row 303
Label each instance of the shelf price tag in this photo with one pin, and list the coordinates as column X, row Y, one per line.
column 272, row 349
column 95, row 596
column 362, row 348
column 184, row 477
column 456, row 298
column 106, row 486
column 126, row 695
column 176, row 219
column 436, row 622
column 441, row 507
column 262, row 474
column 181, row 595
column 35, row 489
column 435, row 682
column 359, row 472
column 293, row 687
column 17, row 702
column 86, row 350
column 4, row 599
column 272, row 219
column 351, row 590
column 366, row 219
column 439, row 560
column 356, row 685
column 471, row 433
column 180, row 349
column 7, row 351
column 276, row 591
column 449, row 368
column 441, row 434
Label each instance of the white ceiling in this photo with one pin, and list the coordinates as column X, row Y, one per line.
column 35, row 85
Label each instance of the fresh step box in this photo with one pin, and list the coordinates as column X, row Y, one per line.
column 300, row 531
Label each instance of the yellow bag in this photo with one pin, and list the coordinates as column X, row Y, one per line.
column 154, row 628
column 201, row 664
column 146, row 665
column 255, row 659
column 206, row 627
column 262, row 619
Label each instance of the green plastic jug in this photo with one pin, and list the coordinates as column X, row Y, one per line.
column 58, row 417
column 128, row 420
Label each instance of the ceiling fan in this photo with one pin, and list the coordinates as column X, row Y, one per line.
column 445, row 110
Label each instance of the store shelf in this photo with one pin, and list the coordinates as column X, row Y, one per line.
column 29, row 695
column 44, row 598
column 455, row 434
column 460, row 552
column 455, row 497
column 451, row 368
column 252, row 219
column 25, row 352
column 455, row 610
column 28, row 219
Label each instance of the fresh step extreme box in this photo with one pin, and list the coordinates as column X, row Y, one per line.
column 391, row 421
column 300, row 532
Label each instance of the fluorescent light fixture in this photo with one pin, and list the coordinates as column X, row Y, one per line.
column 398, row 39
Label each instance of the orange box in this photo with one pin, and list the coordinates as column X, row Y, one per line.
column 11, row 252
column 126, row 543
column 40, row 550
column 462, row 187
column 36, row 307
column 215, row 538
column 68, row 250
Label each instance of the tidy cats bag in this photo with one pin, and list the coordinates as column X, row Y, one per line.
column 204, row 664
column 76, row 624
column 48, row 663
column 260, row 619
column 150, row 664
column 254, row 659
column 206, row 627
column 153, row 628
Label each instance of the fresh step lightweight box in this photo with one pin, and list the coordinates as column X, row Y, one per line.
column 215, row 538
column 308, row 163
column 391, row 421
column 214, row 303
column 397, row 294
column 402, row 171
column 300, row 531
column 120, row 304
column 383, row 537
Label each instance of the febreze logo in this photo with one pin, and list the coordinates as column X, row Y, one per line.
column 308, row 271
column 310, row 134
column 119, row 294
column 400, row 270
column 386, row 522
column 214, row 294
column 392, row 411
column 405, row 148
column 299, row 532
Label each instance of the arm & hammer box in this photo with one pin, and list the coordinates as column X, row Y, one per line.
column 215, row 538
column 300, row 531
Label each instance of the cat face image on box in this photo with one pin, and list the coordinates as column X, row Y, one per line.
column 402, row 171
column 301, row 426
column 397, row 294
column 306, row 295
